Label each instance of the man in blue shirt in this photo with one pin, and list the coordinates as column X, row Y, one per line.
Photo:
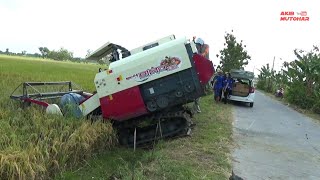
column 227, row 87
column 218, row 85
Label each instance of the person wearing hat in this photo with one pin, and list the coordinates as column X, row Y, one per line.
column 218, row 85
column 203, row 49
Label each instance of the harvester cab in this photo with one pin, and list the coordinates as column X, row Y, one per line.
column 153, row 83
column 109, row 53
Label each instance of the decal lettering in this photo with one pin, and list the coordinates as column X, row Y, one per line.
column 167, row 64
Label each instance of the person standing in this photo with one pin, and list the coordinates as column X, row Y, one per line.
column 203, row 50
column 217, row 86
column 227, row 87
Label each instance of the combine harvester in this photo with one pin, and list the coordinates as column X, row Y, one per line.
column 143, row 92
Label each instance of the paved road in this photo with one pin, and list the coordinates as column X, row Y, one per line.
column 275, row 142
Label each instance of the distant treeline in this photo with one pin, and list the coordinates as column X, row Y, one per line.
column 59, row 55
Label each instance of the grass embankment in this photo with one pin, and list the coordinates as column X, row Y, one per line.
column 204, row 155
column 307, row 112
column 37, row 146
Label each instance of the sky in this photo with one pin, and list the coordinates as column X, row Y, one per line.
column 81, row 25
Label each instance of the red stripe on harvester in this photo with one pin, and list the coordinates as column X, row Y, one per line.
column 41, row 103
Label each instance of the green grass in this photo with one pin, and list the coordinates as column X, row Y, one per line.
column 15, row 70
column 37, row 146
column 204, row 155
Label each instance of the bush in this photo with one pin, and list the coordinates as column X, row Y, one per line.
column 296, row 94
column 261, row 84
column 316, row 107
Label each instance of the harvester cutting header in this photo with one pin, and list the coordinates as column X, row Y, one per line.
column 150, row 83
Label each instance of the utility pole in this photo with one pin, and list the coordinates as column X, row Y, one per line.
column 269, row 85
column 273, row 62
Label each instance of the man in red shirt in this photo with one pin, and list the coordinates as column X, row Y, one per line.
column 203, row 49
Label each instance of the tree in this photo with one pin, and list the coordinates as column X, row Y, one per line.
column 304, row 79
column 265, row 74
column 233, row 56
column 7, row 51
column 61, row 54
column 44, row 51
column 306, row 69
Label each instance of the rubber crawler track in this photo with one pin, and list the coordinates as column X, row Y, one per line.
column 176, row 122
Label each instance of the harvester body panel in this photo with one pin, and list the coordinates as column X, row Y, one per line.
column 155, row 79
column 123, row 105
column 143, row 67
column 152, row 44
column 90, row 104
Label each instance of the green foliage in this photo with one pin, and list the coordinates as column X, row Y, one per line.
column 233, row 56
column 61, row 54
column 304, row 73
column 44, row 52
column 267, row 79
column 301, row 77
column 296, row 95
column 263, row 77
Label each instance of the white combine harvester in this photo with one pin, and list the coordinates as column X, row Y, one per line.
column 150, row 83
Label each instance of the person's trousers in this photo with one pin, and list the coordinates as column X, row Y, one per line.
column 226, row 94
column 217, row 93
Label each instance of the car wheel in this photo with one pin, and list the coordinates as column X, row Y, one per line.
column 251, row 104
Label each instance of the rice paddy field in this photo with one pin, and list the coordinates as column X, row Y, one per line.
column 34, row 145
